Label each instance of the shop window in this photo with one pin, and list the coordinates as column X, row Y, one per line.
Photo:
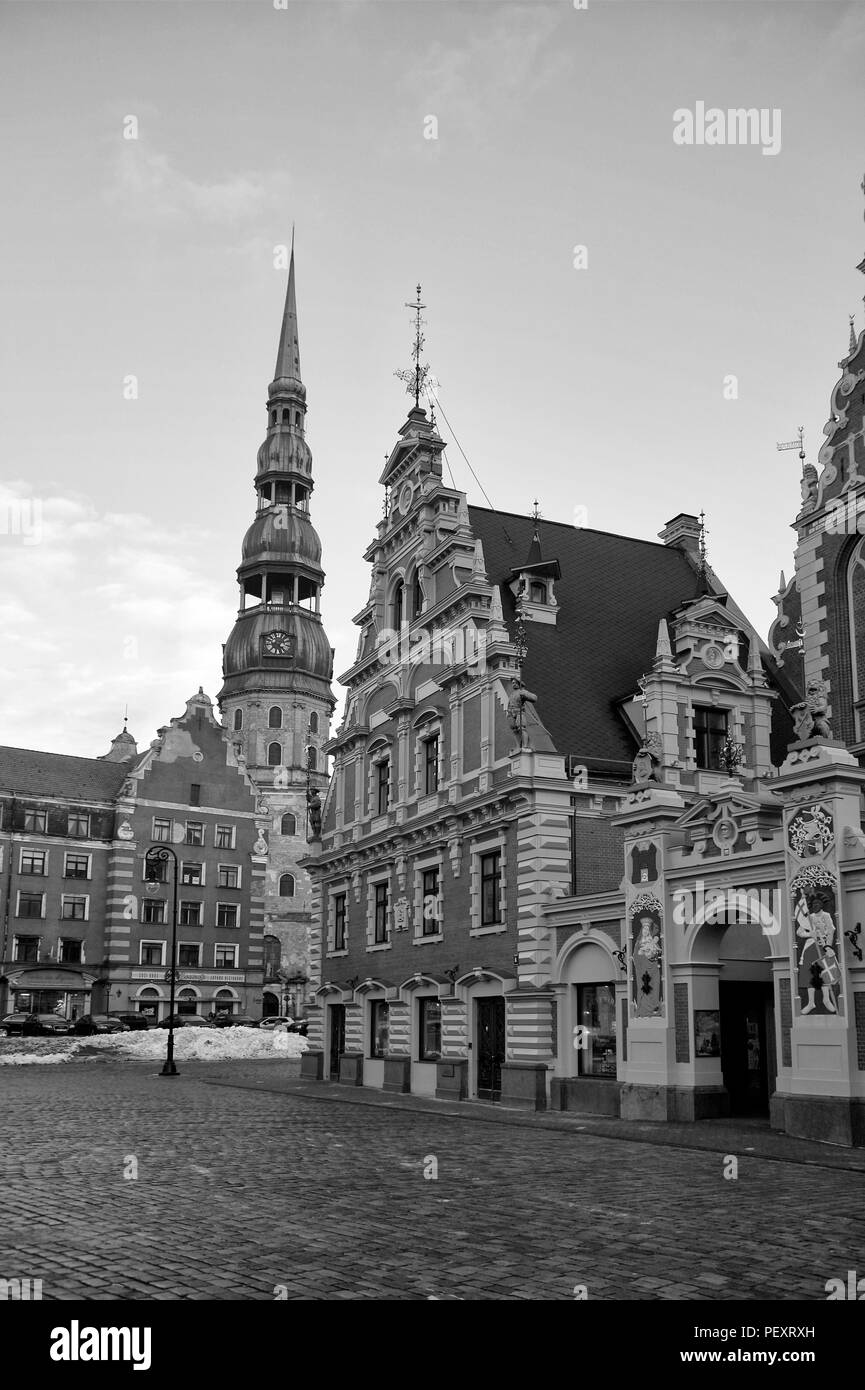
column 187, row 1002
column 430, row 1030
column 596, row 1009
column 378, row 1016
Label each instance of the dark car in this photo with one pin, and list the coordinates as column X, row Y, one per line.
column 236, row 1021
column 43, row 1025
column 133, row 1021
column 187, row 1021
column 100, row 1023
column 13, row 1023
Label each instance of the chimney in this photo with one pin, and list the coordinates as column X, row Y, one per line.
column 683, row 531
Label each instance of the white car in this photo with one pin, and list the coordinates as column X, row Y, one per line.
column 279, row 1021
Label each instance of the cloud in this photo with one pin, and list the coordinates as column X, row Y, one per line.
column 146, row 186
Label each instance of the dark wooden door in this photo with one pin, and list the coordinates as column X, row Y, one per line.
column 746, row 1048
column 490, row 1047
column 337, row 1038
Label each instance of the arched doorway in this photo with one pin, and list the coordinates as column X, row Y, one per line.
column 734, row 1002
column 270, row 1005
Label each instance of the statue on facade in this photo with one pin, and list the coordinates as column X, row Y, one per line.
column 520, row 697
column 313, row 804
column 811, row 717
column 648, row 761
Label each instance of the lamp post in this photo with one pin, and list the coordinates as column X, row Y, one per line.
column 160, row 854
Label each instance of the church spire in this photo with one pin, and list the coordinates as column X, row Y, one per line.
column 287, row 371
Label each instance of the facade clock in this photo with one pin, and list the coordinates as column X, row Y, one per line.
column 406, row 494
column 277, row 643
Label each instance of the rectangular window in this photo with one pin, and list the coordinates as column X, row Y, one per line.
column 378, row 1028
column 192, row 874
column 228, row 876
column 491, row 879
column 339, row 922
column 30, row 904
column 152, row 952
column 35, row 821
column 226, row 915
column 431, row 922
column 73, row 909
column 710, row 731
column 430, row 1029
column 381, row 896
column 156, row 870
column 596, row 1010
column 161, row 829
column 195, row 832
column 195, row 794
column 431, row 765
column 188, row 954
column 76, row 866
column 225, row 956
column 78, row 827
column 190, row 914
column 32, row 861
column 27, row 948
column 224, row 837
column 153, row 910
column 382, row 773
column 70, row 951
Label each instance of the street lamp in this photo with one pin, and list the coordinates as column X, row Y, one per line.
column 160, row 854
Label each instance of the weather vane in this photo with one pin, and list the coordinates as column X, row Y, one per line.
column 417, row 378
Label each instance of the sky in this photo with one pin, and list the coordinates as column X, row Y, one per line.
column 471, row 147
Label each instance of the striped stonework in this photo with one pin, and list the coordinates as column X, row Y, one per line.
column 812, row 591
column 529, row 1027
column 454, row 1028
column 317, row 933
column 122, row 903
column 399, row 1029
column 354, row 1039
column 543, row 861
column 315, row 1034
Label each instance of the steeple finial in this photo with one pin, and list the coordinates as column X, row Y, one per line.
column 417, row 377
column 852, row 336
column 288, row 354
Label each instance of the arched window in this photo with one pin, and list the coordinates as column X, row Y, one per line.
column 537, row 591
column 274, row 755
column 274, row 719
column 286, row 885
column 398, row 605
column 313, row 723
column 273, row 417
column 288, row 825
column 238, row 719
column 297, row 418
column 286, row 416
column 417, row 595
column 312, row 759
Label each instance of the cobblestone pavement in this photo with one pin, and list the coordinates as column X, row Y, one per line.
column 244, row 1192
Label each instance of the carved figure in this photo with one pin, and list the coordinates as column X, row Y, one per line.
column 647, row 761
column 516, row 711
column 811, row 717
column 313, row 803
column 818, row 963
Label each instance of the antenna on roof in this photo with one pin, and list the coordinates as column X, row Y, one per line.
column 792, row 443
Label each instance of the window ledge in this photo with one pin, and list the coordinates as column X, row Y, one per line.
column 378, row 946
column 427, row 940
column 489, row 931
column 332, row 955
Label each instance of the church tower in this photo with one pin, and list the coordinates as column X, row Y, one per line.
column 276, row 700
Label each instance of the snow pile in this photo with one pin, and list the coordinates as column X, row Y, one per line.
column 190, row 1044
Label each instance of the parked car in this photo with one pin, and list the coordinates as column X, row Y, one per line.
column 13, row 1023
column 276, row 1021
column 236, row 1021
column 100, row 1023
column 42, row 1025
column 134, row 1021
column 187, row 1021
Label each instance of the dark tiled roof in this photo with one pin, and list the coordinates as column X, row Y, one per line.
column 612, row 594
column 27, row 772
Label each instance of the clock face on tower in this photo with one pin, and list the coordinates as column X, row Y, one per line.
column 277, row 643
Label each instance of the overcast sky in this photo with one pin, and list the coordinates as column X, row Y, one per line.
column 598, row 386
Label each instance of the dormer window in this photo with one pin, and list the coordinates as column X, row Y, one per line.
column 537, row 591
column 710, row 733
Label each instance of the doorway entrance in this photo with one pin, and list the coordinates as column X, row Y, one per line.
column 748, row 1061
column 337, row 1039
column 490, row 1047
